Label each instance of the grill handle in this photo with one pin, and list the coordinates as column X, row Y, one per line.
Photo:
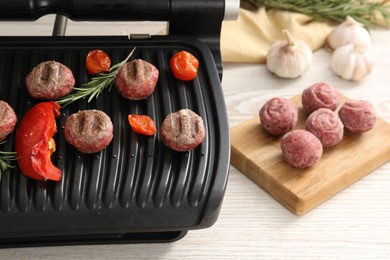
column 86, row 10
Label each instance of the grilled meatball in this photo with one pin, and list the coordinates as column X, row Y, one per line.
column 320, row 95
column 50, row 80
column 183, row 130
column 326, row 125
column 278, row 116
column 90, row 131
column 358, row 116
column 301, row 149
column 136, row 79
column 7, row 120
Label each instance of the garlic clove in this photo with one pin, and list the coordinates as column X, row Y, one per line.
column 289, row 58
column 352, row 62
column 348, row 32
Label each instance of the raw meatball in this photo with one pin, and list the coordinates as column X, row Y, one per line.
column 50, row 80
column 301, row 149
column 90, row 131
column 326, row 126
column 358, row 116
column 183, row 130
column 320, row 95
column 278, row 116
column 7, row 120
column 136, row 79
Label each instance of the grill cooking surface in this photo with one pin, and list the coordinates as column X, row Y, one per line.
column 136, row 184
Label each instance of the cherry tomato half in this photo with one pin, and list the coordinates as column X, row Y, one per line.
column 184, row 66
column 142, row 124
column 97, row 61
column 34, row 142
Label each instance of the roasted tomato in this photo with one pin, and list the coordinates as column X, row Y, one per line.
column 97, row 61
column 35, row 144
column 142, row 124
column 184, row 66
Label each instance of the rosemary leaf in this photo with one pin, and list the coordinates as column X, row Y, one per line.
column 5, row 157
column 362, row 11
column 95, row 86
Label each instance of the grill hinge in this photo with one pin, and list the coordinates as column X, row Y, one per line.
column 139, row 36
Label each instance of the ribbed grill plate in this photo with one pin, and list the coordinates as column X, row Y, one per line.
column 136, row 184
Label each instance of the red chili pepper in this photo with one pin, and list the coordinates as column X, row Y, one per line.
column 142, row 124
column 34, row 142
column 184, row 66
column 97, row 61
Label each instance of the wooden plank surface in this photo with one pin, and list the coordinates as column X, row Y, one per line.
column 258, row 155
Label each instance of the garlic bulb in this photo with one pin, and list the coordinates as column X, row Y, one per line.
column 352, row 62
column 350, row 31
column 289, row 58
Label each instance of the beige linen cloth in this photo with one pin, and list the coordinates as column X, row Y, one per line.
column 248, row 38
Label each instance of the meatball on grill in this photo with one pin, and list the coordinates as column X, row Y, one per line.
column 50, row 80
column 90, row 131
column 7, row 120
column 183, row 130
column 136, row 80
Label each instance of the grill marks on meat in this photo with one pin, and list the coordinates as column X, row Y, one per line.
column 183, row 130
column 50, row 80
column 189, row 127
column 136, row 80
column 90, row 125
column 89, row 131
column 49, row 73
column 137, row 72
column 7, row 120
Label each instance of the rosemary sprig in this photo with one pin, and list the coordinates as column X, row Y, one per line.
column 362, row 11
column 95, row 86
column 5, row 157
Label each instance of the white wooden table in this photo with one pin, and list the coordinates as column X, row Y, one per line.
column 354, row 224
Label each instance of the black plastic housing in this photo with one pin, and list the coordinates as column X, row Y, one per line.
column 136, row 190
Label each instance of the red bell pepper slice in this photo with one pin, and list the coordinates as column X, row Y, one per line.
column 34, row 142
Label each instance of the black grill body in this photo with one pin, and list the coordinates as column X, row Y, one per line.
column 135, row 190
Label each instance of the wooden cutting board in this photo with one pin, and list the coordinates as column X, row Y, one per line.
column 258, row 156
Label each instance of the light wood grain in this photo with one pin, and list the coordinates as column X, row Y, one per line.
column 354, row 224
column 258, row 155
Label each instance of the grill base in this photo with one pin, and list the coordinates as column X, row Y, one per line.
column 127, row 238
column 136, row 190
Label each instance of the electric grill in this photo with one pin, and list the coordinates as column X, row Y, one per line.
column 136, row 190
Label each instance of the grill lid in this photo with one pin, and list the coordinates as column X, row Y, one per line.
column 200, row 19
column 136, row 189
